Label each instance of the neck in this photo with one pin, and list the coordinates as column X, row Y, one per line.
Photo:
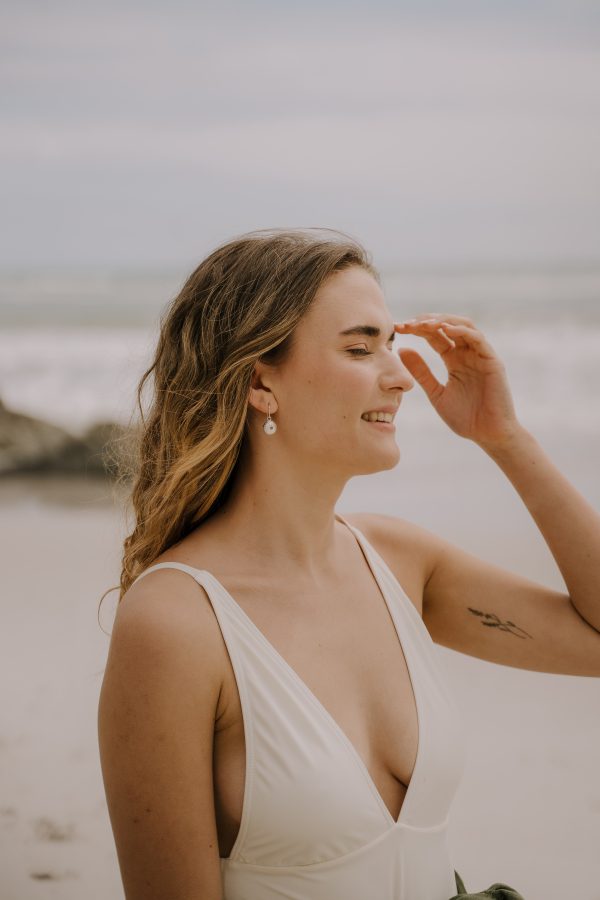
column 283, row 516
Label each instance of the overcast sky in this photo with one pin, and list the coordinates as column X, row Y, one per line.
column 142, row 134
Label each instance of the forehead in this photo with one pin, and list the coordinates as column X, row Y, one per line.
column 347, row 298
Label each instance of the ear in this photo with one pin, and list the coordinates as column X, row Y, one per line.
column 261, row 396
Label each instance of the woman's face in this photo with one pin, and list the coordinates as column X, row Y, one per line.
column 335, row 373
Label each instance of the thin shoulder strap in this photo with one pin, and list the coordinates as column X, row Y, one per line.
column 374, row 558
column 171, row 565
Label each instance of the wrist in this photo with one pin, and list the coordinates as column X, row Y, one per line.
column 515, row 442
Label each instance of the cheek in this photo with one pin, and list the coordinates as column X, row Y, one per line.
column 355, row 376
column 329, row 388
column 347, row 385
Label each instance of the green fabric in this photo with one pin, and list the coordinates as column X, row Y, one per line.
column 496, row 891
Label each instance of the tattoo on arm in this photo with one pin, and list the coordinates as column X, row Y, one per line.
column 492, row 621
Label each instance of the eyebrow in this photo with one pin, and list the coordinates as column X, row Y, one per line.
column 367, row 330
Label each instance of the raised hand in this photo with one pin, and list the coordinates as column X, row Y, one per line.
column 476, row 401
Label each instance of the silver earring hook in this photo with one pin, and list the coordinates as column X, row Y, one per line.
column 269, row 426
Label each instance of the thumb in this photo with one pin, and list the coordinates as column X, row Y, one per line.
column 421, row 372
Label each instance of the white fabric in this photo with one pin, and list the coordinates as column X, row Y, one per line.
column 314, row 826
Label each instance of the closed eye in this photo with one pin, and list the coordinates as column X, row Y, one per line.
column 361, row 351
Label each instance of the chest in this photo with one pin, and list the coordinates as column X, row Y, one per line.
column 346, row 651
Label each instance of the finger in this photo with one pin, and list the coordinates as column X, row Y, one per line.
column 471, row 337
column 440, row 317
column 421, row 372
column 432, row 332
column 450, row 317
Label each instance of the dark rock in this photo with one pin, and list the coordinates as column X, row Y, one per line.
column 29, row 444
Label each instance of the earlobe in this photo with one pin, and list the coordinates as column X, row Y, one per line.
column 260, row 395
column 262, row 399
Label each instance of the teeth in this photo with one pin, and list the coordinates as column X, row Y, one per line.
column 377, row 417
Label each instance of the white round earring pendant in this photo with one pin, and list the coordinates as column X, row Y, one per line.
column 269, row 427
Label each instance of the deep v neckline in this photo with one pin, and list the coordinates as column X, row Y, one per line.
column 314, row 700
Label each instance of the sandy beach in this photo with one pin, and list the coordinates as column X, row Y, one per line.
column 528, row 809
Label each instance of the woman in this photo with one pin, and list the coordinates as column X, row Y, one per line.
column 272, row 721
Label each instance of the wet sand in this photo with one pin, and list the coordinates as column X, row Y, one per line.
column 528, row 809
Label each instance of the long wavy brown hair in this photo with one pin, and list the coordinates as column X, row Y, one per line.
column 240, row 305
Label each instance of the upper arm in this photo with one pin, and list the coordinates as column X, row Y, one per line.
column 483, row 610
column 156, row 721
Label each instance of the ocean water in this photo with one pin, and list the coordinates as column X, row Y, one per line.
column 73, row 345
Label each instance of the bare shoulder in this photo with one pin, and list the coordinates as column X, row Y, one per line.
column 171, row 590
column 408, row 549
column 156, row 721
column 168, row 611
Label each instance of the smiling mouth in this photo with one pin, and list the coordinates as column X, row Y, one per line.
column 378, row 417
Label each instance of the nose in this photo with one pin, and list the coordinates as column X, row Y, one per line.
column 397, row 375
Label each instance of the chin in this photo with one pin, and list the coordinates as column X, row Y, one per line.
column 380, row 462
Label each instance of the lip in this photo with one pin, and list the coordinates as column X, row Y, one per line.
column 386, row 426
column 386, row 409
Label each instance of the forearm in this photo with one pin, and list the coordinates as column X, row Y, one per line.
column 569, row 524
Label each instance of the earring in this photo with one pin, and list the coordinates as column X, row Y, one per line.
column 269, row 427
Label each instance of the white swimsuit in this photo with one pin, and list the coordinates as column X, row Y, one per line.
column 313, row 824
